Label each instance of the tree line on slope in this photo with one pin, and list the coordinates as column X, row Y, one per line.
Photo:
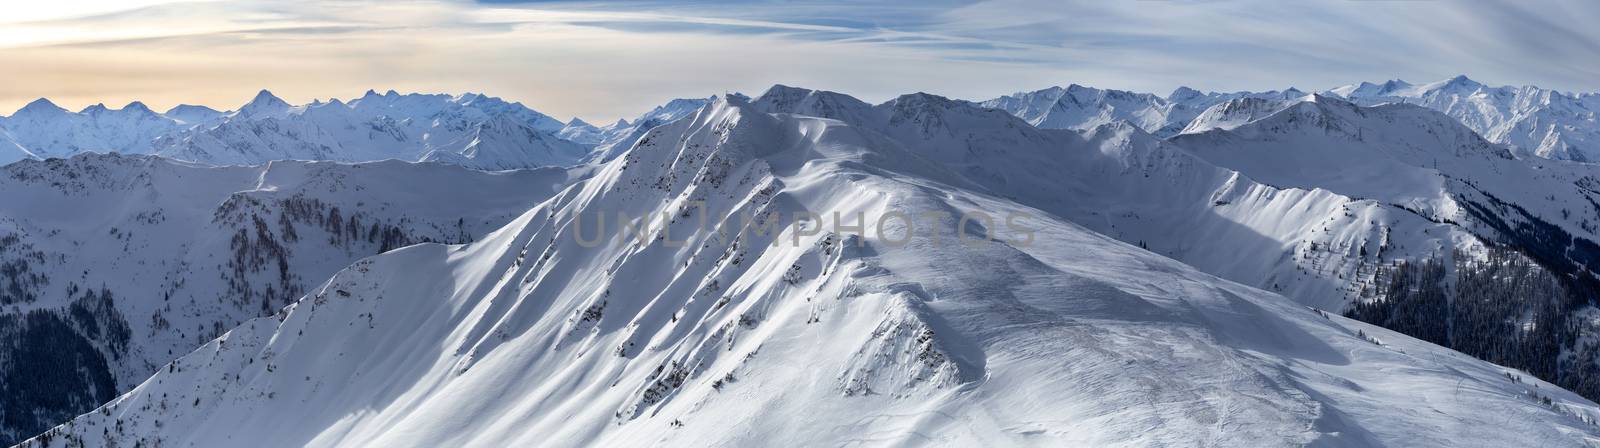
column 55, row 364
column 1504, row 308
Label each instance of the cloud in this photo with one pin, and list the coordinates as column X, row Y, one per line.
column 607, row 59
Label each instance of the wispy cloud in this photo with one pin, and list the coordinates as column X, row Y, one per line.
column 607, row 59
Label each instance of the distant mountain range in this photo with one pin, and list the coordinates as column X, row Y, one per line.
column 1530, row 120
column 484, row 132
column 471, row 130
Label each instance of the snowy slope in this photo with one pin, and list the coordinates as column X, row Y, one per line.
column 617, row 137
column 1319, row 200
column 828, row 337
column 1534, row 121
column 166, row 255
column 1236, row 112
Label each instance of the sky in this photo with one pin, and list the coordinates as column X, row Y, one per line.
column 603, row 60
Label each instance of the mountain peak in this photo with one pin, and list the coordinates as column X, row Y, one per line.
column 817, row 103
column 1368, row 90
column 265, row 95
column 679, row 107
column 264, row 102
column 1458, row 83
column 922, row 98
column 1322, row 98
column 576, row 122
column 137, row 106
column 1395, row 84
column 182, row 109
column 40, row 105
column 781, row 96
column 95, row 108
column 1183, row 93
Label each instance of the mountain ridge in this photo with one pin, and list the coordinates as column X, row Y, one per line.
column 411, row 127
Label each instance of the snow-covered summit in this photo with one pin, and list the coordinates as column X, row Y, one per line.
column 193, row 114
column 41, row 106
column 1234, row 113
column 1368, row 90
column 264, row 105
column 579, row 131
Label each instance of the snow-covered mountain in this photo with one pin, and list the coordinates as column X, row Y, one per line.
column 1414, row 158
column 1409, row 159
column 1236, row 112
column 1534, row 121
column 726, row 323
column 42, row 129
column 112, row 265
column 193, row 115
column 471, row 130
column 1084, row 108
column 579, row 131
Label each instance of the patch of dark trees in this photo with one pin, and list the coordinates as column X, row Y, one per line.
column 19, row 281
column 259, row 246
column 55, row 363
